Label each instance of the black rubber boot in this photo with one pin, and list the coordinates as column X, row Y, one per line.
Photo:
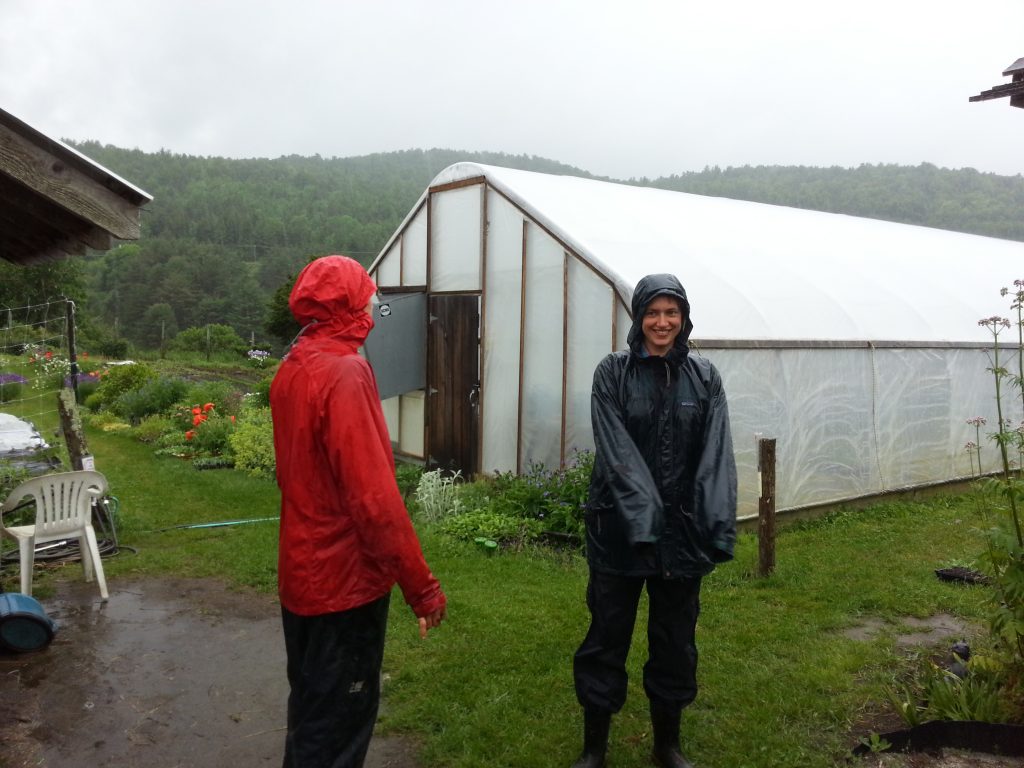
column 595, row 739
column 666, row 753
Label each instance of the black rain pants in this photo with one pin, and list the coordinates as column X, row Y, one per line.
column 334, row 663
column 670, row 674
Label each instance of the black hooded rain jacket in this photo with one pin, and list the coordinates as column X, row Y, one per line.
column 662, row 496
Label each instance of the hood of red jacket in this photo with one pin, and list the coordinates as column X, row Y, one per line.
column 329, row 297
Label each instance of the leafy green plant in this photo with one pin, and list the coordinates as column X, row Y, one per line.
column 116, row 381
column 155, row 396
column 11, row 475
column 551, row 501
column 260, row 394
column 151, row 428
column 977, row 696
column 437, row 495
column 875, row 743
column 10, row 386
column 210, row 431
column 252, row 442
column 490, row 525
column 408, row 477
column 1004, row 553
column 904, row 701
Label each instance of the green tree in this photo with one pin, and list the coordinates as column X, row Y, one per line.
column 210, row 340
column 158, row 326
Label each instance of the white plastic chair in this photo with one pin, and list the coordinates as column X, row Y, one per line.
column 63, row 511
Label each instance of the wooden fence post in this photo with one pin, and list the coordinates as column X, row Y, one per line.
column 71, row 426
column 766, row 506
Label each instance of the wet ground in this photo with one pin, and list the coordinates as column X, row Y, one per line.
column 167, row 674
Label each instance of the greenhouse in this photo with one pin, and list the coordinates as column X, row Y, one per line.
column 853, row 342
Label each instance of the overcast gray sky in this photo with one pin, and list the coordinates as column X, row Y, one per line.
column 631, row 88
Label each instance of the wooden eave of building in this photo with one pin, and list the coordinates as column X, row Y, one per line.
column 55, row 202
column 1013, row 90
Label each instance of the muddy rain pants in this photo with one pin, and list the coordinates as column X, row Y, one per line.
column 334, row 663
column 670, row 674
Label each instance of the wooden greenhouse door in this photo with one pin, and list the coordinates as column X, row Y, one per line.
column 453, row 383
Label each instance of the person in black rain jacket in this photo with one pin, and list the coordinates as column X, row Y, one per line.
column 661, row 512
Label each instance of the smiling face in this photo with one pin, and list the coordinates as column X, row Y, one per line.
column 663, row 319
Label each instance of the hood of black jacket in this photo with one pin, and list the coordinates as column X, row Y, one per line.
column 647, row 290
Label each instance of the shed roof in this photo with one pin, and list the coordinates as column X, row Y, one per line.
column 766, row 272
column 56, row 202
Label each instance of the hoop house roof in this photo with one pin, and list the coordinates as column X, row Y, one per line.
column 767, row 272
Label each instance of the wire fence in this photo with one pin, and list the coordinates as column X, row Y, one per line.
column 37, row 358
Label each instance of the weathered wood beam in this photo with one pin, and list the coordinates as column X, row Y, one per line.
column 26, row 209
column 59, row 180
column 34, row 242
column 41, row 255
column 1000, row 92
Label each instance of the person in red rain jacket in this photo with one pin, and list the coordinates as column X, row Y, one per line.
column 346, row 537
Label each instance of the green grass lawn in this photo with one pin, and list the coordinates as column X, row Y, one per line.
column 780, row 683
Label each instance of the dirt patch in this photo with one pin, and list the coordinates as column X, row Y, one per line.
column 912, row 632
column 179, row 673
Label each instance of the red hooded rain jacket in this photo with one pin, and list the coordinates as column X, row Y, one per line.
column 346, row 537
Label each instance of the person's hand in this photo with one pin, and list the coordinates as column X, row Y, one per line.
column 432, row 620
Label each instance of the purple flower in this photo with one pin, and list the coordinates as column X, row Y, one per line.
column 12, row 378
column 83, row 378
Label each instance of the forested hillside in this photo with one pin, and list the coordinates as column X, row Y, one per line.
column 222, row 235
column 963, row 200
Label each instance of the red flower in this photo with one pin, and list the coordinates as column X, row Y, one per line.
column 190, row 434
column 197, row 420
column 196, row 410
column 208, row 407
column 232, row 418
column 49, row 355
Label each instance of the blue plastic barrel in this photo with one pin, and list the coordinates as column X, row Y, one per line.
column 24, row 625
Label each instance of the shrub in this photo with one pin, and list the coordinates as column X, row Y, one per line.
column 209, row 431
column 983, row 694
column 116, row 381
column 408, row 477
column 151, row 428
column 437, row 495
column 260, row 395
column 556, row 498
column 154, row 397
column 252, row 442
column 509, row 507
column 10, row 386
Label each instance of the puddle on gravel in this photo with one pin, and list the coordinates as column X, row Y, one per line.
column 166, row 673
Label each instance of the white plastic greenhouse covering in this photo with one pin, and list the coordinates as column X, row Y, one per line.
column 854, row 342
